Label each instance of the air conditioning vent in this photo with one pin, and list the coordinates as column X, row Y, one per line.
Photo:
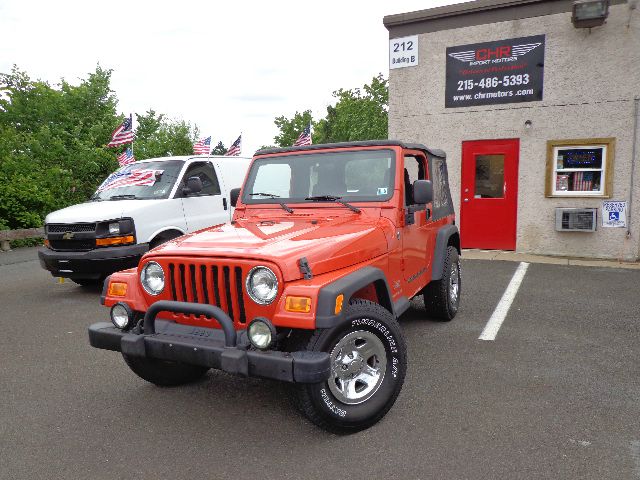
column 576, row 219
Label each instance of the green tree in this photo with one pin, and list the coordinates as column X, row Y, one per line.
column 290, row 129
column 52, row 141
column 156, row 136
column 359, row 114
column 219, row 149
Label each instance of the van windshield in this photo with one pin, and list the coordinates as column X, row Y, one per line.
column 140, row 181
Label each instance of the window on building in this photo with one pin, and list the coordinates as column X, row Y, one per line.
column 580, row 168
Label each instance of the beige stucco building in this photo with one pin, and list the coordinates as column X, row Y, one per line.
column 536, row 115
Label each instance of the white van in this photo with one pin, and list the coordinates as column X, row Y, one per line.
column 137, row 208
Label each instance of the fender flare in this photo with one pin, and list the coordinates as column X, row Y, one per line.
column 440, row 249
column 347, row 286
column 160, row 231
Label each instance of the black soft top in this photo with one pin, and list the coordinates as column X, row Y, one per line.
column 367, row 143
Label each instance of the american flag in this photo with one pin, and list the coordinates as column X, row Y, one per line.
column 123, row 134
column 202, row 146
column 127, row 176
column 582, row 181
column 234, row 149
column 304, row 138
column 126, row 157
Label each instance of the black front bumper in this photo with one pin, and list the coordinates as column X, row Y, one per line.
column 207, row 347
column 92, row 264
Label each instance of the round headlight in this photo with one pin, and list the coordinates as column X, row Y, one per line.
column 261, row 333
column 121, row 315
column 262, row 285
column 152, row 278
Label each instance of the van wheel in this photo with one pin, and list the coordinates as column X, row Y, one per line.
column 442, row 297
column 164, row 373
column 368, row 364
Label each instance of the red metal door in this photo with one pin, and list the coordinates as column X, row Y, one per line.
column 489, row 188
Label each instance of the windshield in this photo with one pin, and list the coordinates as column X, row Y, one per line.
column 140, row 181
column 354, row 176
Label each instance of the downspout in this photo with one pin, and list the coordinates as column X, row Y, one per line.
column 634, row 149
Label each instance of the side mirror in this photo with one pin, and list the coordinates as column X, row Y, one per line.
column 193, row 185
column 234, row 193
column 422, row 192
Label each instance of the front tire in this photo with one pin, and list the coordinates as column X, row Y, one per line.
column 164, row 373
column 369, row 363
column 442, row 297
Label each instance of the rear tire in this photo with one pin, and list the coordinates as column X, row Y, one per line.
column 164, row 373
column 369, row 362
column 442, row 297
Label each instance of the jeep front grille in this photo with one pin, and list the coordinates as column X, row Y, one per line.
column 220, row 285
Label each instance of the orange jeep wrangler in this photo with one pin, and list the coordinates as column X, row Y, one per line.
column 327, row 245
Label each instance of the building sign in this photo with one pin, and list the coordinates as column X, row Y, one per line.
column 403, row 52
column 506, row 71
column 614, row 214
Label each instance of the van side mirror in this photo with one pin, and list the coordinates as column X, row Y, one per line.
column 234, row 193
column 422, row 192
column 193, row 185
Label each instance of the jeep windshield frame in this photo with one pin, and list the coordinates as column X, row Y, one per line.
column 354, row 176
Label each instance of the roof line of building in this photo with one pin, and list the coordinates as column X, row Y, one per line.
column 476, row 12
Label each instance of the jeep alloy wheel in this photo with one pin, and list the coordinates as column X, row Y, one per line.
column 359, row 363
column 369, row 361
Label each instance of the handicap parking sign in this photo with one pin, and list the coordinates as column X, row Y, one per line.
column 614, row 214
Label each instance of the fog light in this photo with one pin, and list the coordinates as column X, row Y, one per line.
column 121, row 316
column 262, row 333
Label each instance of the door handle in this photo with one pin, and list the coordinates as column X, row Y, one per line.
column 466, row 199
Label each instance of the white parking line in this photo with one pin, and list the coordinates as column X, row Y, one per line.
column 495, row 322
column 635, row 454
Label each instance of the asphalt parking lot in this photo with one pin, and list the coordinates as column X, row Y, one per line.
column 556, row 395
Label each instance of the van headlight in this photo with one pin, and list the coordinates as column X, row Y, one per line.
column 262, row 285
column 152, row 278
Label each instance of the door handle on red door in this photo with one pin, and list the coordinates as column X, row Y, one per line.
column 466, row 199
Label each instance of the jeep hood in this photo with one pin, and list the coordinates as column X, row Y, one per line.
column 327, row 243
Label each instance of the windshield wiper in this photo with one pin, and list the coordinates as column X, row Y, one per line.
column 331, row 198
column 123, row 197
column 270, row 195
column 284, row 206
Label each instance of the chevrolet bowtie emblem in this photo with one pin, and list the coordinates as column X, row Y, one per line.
column 68, row 235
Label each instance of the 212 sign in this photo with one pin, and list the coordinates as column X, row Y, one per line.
column 403, row 52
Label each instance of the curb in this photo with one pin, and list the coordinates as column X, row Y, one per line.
column 473, row 254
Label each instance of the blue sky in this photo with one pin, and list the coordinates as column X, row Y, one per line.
column 228, row 67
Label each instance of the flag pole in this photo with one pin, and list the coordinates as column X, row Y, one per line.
column 131, row 117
